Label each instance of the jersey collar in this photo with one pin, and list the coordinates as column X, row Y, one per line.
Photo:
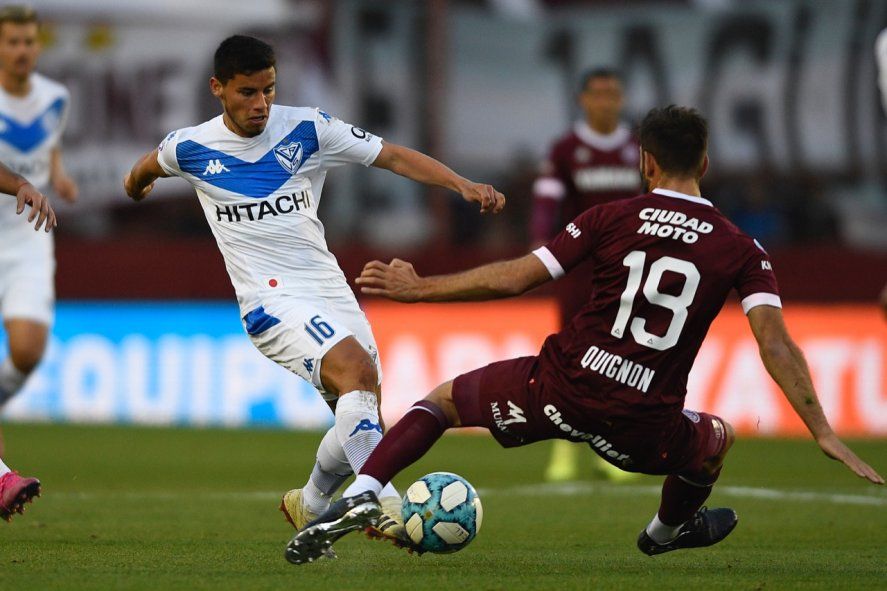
column 605, row 142
column 676, row 195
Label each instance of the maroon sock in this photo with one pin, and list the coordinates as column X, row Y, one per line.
column 407, row 441
column 680, row 500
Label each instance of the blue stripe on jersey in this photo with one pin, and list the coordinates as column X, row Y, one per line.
column 251, row 179
column 26, row 138
column 258, row 321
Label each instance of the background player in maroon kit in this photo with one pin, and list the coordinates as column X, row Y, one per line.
column 663, row 265
column 595, row 162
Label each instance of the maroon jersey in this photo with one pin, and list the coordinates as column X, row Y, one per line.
column 662, row 266
column 584, row 169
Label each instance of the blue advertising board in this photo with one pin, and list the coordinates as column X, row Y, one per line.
column 188, row 363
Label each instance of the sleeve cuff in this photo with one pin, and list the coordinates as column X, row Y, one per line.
column 374, row 153
column 551, row 263
column 761, row 299
column 549, row 188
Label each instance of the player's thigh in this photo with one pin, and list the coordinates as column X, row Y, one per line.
column 27, row 300
column 503, row 398
column 363, row 363
column 296, row 335
column 27, row 289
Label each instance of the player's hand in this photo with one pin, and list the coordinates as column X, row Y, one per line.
column 40, row 207
column 396, row 281
column 66, row 188
column 489, row 198
column 835, row 449
column 134, row 192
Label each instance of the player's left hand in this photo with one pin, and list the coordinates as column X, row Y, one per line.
column 134, row 192
column 835, row 449
column 66, row 188
column 489, row 198
column 396, row 281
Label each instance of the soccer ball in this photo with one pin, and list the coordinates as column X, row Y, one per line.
column 442, row 512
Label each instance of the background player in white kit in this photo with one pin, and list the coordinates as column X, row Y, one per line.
column 15, row 491
column 259, row 171
column 32, row 118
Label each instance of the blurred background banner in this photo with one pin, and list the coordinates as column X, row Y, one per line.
column 190, row 364
column 799, row 147
column 798, row 161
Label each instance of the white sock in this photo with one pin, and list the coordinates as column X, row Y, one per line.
column 330, row 472
column 363, row 483
column 357, row 426
column 387, row 491
column 11, row 380
column 4, row 468
column 314, row 499
column 661, row 533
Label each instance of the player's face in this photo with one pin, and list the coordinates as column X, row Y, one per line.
column 602, row 102
column 19, row 48
column 247, row 100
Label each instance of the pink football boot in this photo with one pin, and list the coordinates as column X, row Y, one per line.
column 15, row 491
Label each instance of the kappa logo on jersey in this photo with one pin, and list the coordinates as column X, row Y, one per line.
column 215, row 167
column 289, row 156
column 366, row 425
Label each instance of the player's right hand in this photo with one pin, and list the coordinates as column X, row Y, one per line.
column 396, row 281
column 489, row 198
column 40, row 207
column 835, row 449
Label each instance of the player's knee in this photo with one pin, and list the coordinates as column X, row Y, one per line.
column 729, row 436
column 358, row 374
column 442, row 397
column 26, row 358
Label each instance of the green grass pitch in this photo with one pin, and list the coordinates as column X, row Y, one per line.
column 136, row 508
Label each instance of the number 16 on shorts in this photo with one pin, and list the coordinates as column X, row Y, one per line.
column 319, row 330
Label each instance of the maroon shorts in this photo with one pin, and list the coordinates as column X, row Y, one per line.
column 510, row 400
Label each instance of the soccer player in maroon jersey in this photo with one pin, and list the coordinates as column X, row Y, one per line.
column 615, row 377
column 595, row 162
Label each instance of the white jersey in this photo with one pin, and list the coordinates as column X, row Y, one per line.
column 260, row 196
column 30, row 129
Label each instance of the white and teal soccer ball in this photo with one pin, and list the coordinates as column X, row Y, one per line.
column 442, row 512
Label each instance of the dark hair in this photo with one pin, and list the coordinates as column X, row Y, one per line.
column 19, row 15
column 599, row 72
column 240, row 54
column 677, row 137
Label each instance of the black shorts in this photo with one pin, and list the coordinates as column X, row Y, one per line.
column 509, row 399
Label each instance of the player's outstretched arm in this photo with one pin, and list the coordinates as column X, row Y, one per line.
column 140, row 180
column 399, row 281
column 25, row 194
column 785, row 361
column 425, row 169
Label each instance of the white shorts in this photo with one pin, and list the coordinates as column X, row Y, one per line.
column 297, row 331
column 27, row 279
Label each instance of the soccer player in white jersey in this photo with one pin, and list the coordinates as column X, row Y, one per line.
column 259, row 171
column 32, row 117
column 15, row 490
